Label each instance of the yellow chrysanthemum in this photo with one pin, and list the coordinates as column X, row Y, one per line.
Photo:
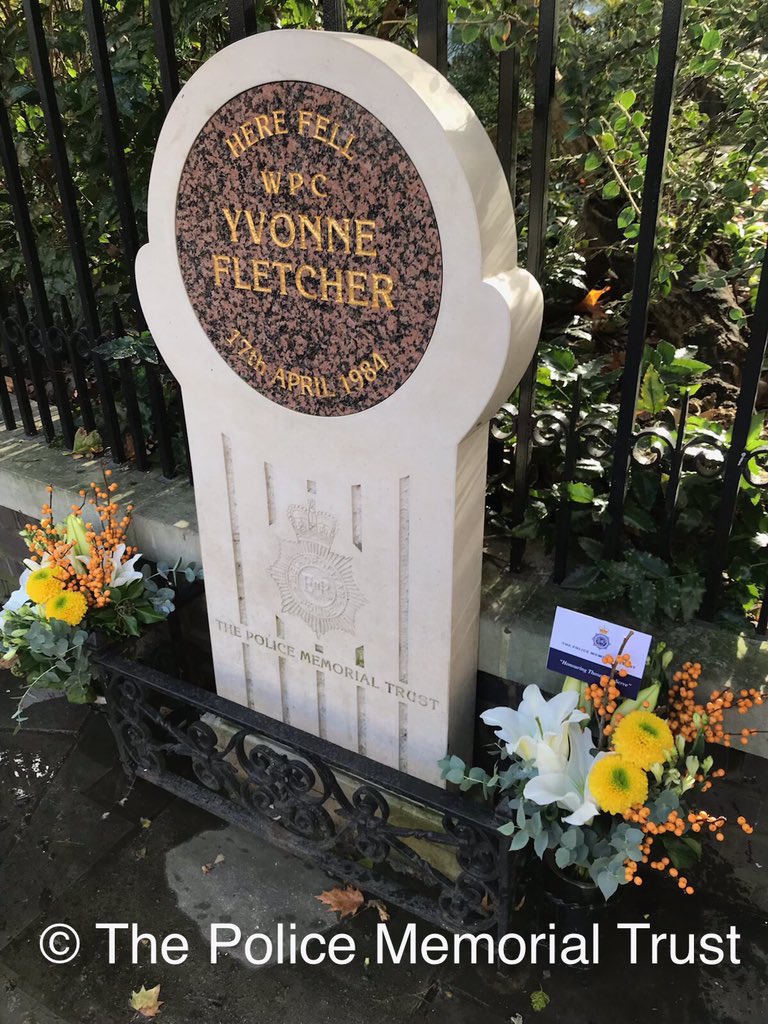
column 643, row 738
column 618, row 785
column 69, row 605
column 43, row 584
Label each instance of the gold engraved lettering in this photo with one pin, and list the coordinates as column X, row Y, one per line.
column 236, row 144
column 286, row 242
column 255, row 233
column 260, row 268
column 282, row 269
column 233, row 222
column 382, row 289
column 220, row 266
column 345, row 150
column 304, row 269
column 364, row 230
column 262, row 123
column 250, row 138
column 314, row 228
column 342, row 230
column 336, row 283
column 271, row 181
column 279, row 378
column 278, row 120
column 316, row 188
column 239, row 283
column 305, row 119
column 321, row 127
column 306, row 385
column 356, row 280
column 295, row 181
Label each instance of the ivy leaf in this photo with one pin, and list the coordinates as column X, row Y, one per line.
column 581, row 493
column 653, row 395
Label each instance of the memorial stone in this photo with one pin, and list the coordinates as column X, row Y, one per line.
column 331, row 275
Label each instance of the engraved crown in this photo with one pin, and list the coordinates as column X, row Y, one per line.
column 309, row 524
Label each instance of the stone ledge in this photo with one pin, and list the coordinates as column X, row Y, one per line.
column 164, row 521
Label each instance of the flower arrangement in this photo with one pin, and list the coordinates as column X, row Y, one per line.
column 79, row 579
column 609, row 786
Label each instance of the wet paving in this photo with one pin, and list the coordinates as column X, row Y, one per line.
column 79, row 846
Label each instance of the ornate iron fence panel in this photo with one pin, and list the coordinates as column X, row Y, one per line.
column 409, row 843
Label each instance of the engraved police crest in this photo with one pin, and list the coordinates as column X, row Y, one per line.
column 315, row 582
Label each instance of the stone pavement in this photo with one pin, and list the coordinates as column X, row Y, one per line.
column 78, row 846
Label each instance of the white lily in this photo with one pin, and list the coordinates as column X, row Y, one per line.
column 123, row 572
column 564, row 781
column 18, row 597
column 536, row 721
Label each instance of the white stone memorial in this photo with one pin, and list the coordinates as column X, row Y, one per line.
column 331, row 275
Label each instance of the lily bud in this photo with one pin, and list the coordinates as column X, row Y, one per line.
column 77, row 538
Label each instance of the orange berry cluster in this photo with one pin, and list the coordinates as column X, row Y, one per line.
column 688, row 718
column 94, row 581
column 605, row 694
column 674, row 825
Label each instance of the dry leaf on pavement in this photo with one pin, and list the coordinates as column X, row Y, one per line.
column 207, row 868
column 346, row 901
column 146, row 1001
column 381, row 907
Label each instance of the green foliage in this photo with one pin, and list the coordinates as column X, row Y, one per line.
column 47, row 654
column 539, row 1000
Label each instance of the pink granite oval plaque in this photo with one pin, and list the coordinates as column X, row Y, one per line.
column 309, row 248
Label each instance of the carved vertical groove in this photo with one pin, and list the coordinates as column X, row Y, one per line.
column 280, row 632
column 404, row 583
column 270, row 486
column 234, row 528
column 362, row 722
column 322, row 723
column 357, row 516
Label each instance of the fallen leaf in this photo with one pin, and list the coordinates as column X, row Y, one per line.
column 146, row 1001
column 486, row 903
column 87, row 443
column 381, row 907
column 346, row 901
column 207, row 868
column 590, row 304
column 142, row 853
column 145, row 822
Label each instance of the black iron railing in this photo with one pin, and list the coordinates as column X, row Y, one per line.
column 434, row 853
column 63, row 375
